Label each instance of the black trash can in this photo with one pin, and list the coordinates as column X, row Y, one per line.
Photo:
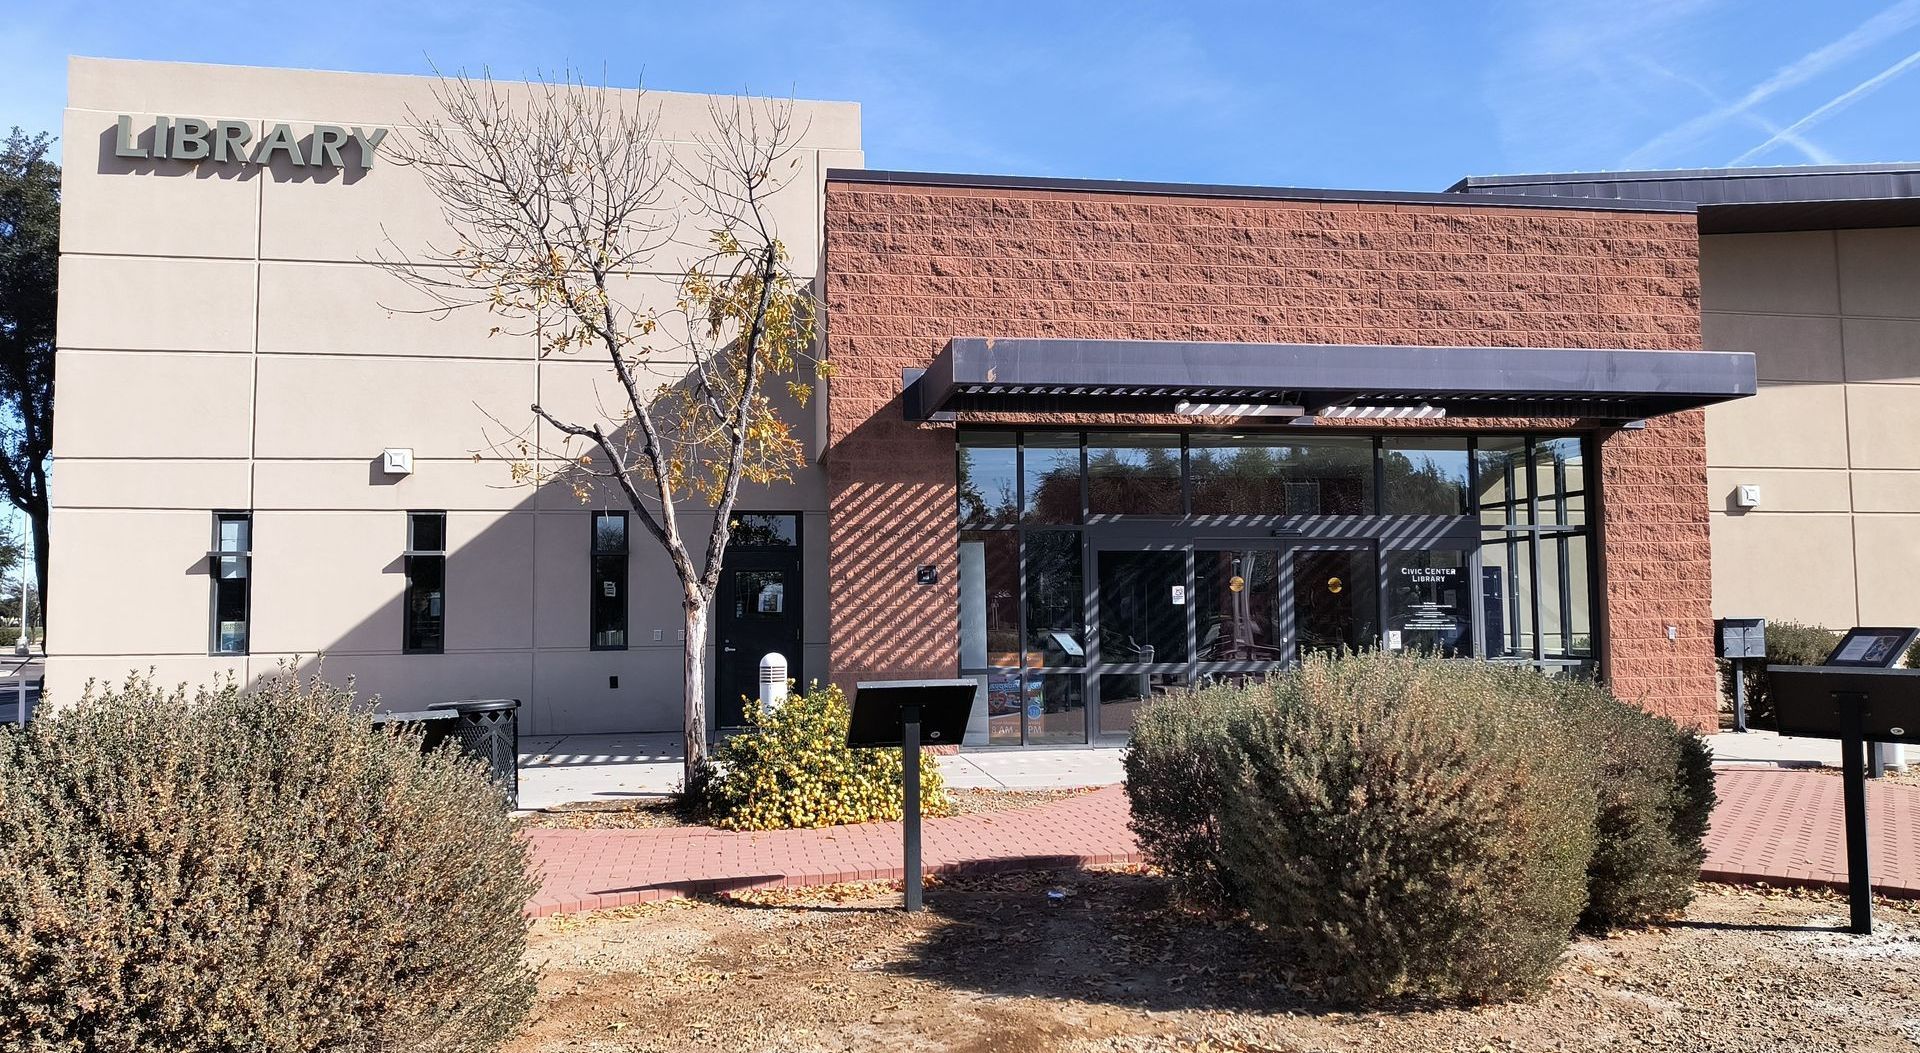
column 488, row 730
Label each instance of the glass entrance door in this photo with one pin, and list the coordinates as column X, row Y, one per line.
column 1145, row 631
column 1335, row 602
column 1165, row 614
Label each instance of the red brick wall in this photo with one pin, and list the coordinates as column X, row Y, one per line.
column 909, row 267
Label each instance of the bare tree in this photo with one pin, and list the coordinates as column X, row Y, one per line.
column 561, row 196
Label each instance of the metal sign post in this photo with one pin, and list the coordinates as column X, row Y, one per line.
column 910, row 805
column 1853, row 772
column 1857, row 698
column 908, row 713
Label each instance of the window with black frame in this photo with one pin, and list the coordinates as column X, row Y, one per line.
column 1536, row 550
column 231, row 562
column 426, row 597
column 608, row 601
column 1031, row 503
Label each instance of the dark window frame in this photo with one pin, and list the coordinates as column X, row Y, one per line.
column 215, row 554
column 417, row 557
column 595, row 553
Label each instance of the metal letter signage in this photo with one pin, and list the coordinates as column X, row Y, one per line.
column 226, row 141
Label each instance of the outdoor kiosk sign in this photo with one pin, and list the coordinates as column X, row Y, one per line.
column 906, row 713
column 1857, row 698
column 1738, row 640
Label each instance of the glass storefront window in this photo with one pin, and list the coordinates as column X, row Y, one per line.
column 1052, row 477
column 989, row 480
column 1500, row 471
column 989, row 599
column 1178, row 587
column 1056, row 612
column 1133, row 473
column 1238, row 475
column 1506, row 586
column 1423, row 476
column 1429, row 605
column 1266, row 474
column 1056, row 708
column 1559, row 474
column 1000, row 694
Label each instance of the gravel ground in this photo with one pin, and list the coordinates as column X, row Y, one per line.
column 998, row 963
column 646, row 814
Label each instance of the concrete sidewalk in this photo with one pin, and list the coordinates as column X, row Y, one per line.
column 575, row 768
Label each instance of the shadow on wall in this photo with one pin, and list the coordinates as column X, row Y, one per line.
column 519, row 588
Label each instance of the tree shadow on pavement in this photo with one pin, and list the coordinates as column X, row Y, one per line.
column 1106, row 937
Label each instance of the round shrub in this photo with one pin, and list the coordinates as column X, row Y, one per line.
column 1788, row 643
column 791, row 768
column 1655, row 794
column 1179, row 768
column 1412, row 826
column 252, row 871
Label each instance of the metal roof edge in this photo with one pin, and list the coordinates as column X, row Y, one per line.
column 1465, row 183
column 883, row 177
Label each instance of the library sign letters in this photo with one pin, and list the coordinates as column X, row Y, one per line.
column 226, row 141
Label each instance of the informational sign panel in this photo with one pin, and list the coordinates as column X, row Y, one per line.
column 1873, row 647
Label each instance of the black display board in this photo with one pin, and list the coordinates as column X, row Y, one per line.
column 878, row 707
column 1812, row 701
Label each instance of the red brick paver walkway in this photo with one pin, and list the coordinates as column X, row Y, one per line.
column 591, row 869
column 1782, row 827
column 1786, row 828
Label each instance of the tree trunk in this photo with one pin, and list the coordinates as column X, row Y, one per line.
column 694, row 659
column 39, row 528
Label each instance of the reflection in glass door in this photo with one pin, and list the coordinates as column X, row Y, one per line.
column 1143, row 621
column 1336, row 603
column 1237, row 604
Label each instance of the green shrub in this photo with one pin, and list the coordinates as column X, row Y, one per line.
column 1788, row 643
column 792, row 768
column 252, row 871
column 1655, row 792
column 1412, row 826
column 1179, row 768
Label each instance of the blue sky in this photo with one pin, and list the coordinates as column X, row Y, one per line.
column 1348, row 94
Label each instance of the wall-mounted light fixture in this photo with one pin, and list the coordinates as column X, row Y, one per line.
column 397, row 460
column 1746, row 495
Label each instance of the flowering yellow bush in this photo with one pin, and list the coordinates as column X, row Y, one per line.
column 792, row 769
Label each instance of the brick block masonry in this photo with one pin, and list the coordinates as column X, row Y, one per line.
column 908, row 268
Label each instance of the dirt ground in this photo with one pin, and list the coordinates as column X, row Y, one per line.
column 1093, row 961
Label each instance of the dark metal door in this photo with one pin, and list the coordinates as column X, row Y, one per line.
column 757, row 612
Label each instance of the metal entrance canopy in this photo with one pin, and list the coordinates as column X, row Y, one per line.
column 995, row 375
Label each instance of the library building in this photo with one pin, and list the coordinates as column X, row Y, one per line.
column 1086, row 442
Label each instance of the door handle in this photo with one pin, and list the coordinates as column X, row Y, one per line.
column 729, row 650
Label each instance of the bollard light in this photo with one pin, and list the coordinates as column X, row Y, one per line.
column 773, row 681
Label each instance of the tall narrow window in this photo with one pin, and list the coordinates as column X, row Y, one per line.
column 232, row 565
column 426, row 601
column 609, row 599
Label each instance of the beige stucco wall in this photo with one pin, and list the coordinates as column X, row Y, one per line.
column 224, row 343
column 1833, row 438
